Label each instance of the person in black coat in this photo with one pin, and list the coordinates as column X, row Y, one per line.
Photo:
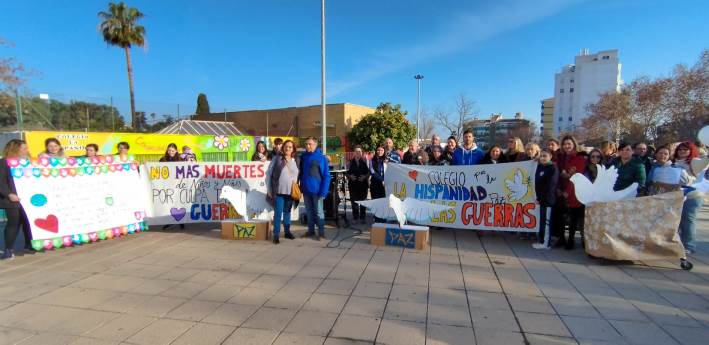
column 545, row 182
column 494, row 156
column 9, row 200
column 376, row 170
column 358, row 183
column 436, row 158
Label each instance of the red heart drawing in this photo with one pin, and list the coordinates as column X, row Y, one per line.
column 413, row 174
column 51, row 223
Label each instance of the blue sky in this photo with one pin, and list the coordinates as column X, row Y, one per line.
column 265, row 54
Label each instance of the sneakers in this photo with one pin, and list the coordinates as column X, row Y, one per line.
column 276, row 241
column 540, row 246
column 7, row 255
column 289, row 236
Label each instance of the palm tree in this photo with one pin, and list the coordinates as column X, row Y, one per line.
column 119, row 28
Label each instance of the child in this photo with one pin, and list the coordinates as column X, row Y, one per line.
column 545, row 182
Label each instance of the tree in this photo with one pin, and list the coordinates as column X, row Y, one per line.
column 202, row 105
column 119, row 28
column 648, row 107
column 455, row 123
column 387, row 121
column 688, row 100
column 12, row 72
column 428, row 125
column 609, row 118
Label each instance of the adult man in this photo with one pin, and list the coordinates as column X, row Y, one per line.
column 415, row 156
column 640, row 152
column 468, row 153
column 391, row 154
column 277, row 144
column 435, row 141
column 314, row 179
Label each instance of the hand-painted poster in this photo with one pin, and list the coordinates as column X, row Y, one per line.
column 74, row 200
column 485, row 197
column 190, row 192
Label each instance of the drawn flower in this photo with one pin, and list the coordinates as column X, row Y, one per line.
column 221, row 141
column 245, row 144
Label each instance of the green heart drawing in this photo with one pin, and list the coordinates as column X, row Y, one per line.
column 109, row 200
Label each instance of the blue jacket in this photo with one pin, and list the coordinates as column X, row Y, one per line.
column 314, row 173
column 467, row 157
column 393, row 156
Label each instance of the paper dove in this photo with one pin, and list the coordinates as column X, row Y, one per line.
column 518, row 188
column 245, row 203
column 601, row 190
column 409, row 209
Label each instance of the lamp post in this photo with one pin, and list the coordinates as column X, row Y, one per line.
column 418, row 78
column 323, row 121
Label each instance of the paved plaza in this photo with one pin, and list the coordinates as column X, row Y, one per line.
column 190, row 287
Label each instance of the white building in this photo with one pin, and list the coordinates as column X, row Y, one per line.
column 580, row 84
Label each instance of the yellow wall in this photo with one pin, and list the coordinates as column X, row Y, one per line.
column 548, row 117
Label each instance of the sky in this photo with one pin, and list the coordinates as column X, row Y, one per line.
column 266, row 54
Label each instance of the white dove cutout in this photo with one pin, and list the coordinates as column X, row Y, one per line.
column 518, row 188
column 408, row 209
column 601, row 190
column 246, row 203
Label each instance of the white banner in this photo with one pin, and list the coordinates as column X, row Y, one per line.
column 68, row 199
column 189, row 192
column 486, row 197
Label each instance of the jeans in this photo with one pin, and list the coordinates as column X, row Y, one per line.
column 284, row 204
column 16, row 218
column 688, row 222
column 314, row 210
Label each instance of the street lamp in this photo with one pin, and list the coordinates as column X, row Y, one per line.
column 418, row 78
column 322, row 77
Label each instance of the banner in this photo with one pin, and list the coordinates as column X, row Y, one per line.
column 189, row 192
column 74, row 200
column 486, row 197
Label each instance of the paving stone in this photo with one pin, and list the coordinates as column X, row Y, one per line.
column 238, row 279
column 110, row 282
column 409, row 293
column 540, row 339
column 218, row 293
column 123, row 302
column 532, row 304
column 487, row 300
column 13, row 335
column 372, row 289
column 365, row 306
column 163, row 331
column 396, row 332
column 449, row 335
column 591, row 329
column 185, row 290
column 486, row 336
column 193, row 310
column 231, row 314
column 121, row 328
column 542, row 324
column 83, row 322
column 341, row 341
column 440, row 296
column 298, row 339
column 337, row 286
column 204, row 334
column 252, row 296
column 645, row 333
column 406, row 311
column 154, row 286
column 325, row 303
column 250, row 336
column 75, row 297
column 494, row 319
column 449, row 315
column 274, row 319
column 92, row 341
column 49, row 338
column 157, row 306
column 574, row 307
column 311, row 323
column 288, row 299
column 688, row 335
column 356, row 327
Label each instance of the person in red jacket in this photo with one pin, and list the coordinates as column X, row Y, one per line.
column 569, row 211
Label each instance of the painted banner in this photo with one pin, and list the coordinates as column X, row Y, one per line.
column 486, row 197
column 74, row 200
column 189, row 192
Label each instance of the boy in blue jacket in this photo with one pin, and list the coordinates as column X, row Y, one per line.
column 469, row 153
column 314, row 184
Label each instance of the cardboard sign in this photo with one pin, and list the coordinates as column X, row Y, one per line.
column 84, row 197
column 485, row 197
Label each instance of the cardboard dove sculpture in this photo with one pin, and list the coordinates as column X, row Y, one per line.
column 246, row 203
column 703, row 135
column 408, row 209
column 518, row 188
column 601, row 190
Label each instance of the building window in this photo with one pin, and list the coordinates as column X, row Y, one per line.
column 561, row 90
column 571, row 89
column 570, row 119
column 559, row 129
column 561, row 119
column 606, row 57
column 572, row 81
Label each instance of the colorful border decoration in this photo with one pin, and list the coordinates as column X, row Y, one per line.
column 79, row 239
column 71, row 166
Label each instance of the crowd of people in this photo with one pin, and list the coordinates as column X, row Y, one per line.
column 291, row 177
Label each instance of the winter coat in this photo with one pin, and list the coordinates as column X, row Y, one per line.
column 418, row 158
column 440, row 162
column 545, row 181
column 628, row 173
column 571, row 163
column 7, row 186
column 461, row 156
column 686, row 166
column 376, row 169
column 274, row 183
column 393, row 156
column 314, row 173
column 654, row 187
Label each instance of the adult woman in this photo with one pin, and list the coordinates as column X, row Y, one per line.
column 515, row 149
column 261, row 154
column 569, row 211
column 665, row 176
column 494, row 156
column 187, row 154
column 91, row 150
column 452, row 144
column 630, row 169
column 376, row 169
column 437, row 157
column 52, row 148
column 531, row 152
column 358, row 183
column 595, row 158
column 609, row 150
column 10, row 202
column 685, row 153
column 171, row 154
column 123, row 148
column 281, row 175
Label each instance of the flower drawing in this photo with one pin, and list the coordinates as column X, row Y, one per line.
column 221, row 141
column 245, row 144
